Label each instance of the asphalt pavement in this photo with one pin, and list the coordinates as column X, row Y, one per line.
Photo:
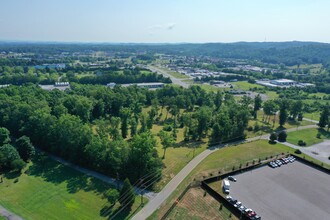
column 292, row 191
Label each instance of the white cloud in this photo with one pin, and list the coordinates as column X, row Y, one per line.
column 170, row 26
column 167, row 26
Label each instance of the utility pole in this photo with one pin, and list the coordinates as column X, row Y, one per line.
column 142, row 191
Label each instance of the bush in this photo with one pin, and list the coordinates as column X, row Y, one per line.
column 301, row 143
column 18, row 165
column 167, row 128
column 297, row 151
column 250, row 128
column 318, row 135
column 282, row 136
column 273, row 137
column 256, row 127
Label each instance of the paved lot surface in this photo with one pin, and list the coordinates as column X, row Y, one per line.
column 292, row 191
column 321, row 150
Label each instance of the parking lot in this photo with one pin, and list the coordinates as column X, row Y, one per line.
column 292, row 191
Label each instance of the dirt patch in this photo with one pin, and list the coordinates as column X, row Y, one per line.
column 197, row 204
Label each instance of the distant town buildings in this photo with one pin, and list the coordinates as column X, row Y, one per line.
column 282, row 83
column 153, row 85
column 58, row 85
column 4, row 86
column 51, row 66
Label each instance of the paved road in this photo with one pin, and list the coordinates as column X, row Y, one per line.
column 146, row 193
column 8, row 215
column 155, row 203
column 314, row 121
column 177, row 81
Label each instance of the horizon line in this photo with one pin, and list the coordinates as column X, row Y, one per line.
column 151, row 43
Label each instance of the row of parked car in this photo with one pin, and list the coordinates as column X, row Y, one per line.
column 246, row 211
column 282, row 161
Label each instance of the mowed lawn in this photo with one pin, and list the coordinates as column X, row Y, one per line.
column 267, row 127
column 224, row 159
column 50, row 190
column 308, row 135
column 177, row 156
column 244, row 85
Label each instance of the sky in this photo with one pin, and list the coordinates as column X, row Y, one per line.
column 164, row 21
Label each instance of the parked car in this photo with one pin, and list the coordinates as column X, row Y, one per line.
column 257, row 217
column 229, row 198
column 251, row 213
column 242, row 208
column 279, row 163
column 233, row 201
column 232, row 178
column 273, row 164
column 238, row 204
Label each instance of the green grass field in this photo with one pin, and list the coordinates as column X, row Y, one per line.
column 271, row 94
column 175, row 74
column 50, row 190
column 228, row 157
column 312, row 115
column 267, row 127
column 244, row 85
column 307, row 135
column 2, row 218
column 209, row 88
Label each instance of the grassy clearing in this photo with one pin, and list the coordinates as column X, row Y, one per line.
column 267, row 127
column 312, row 115
column 271, row 94
column 2, row 218
column 175, row 74
column 209, row 88
column 307, row 135
column 244, row 85
column 176, row 156
column 224, row 159
column 50, row 190
column 196, row 205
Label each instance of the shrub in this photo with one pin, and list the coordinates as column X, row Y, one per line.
column 250, row 128
column 273, row 137
column 301, row 143
column 167, row 128
column 297, row 151
column 318, row 135
column 18, row 165
column 282, row 136
column 256, row 127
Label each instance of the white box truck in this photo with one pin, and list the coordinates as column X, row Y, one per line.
column 225, row 186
